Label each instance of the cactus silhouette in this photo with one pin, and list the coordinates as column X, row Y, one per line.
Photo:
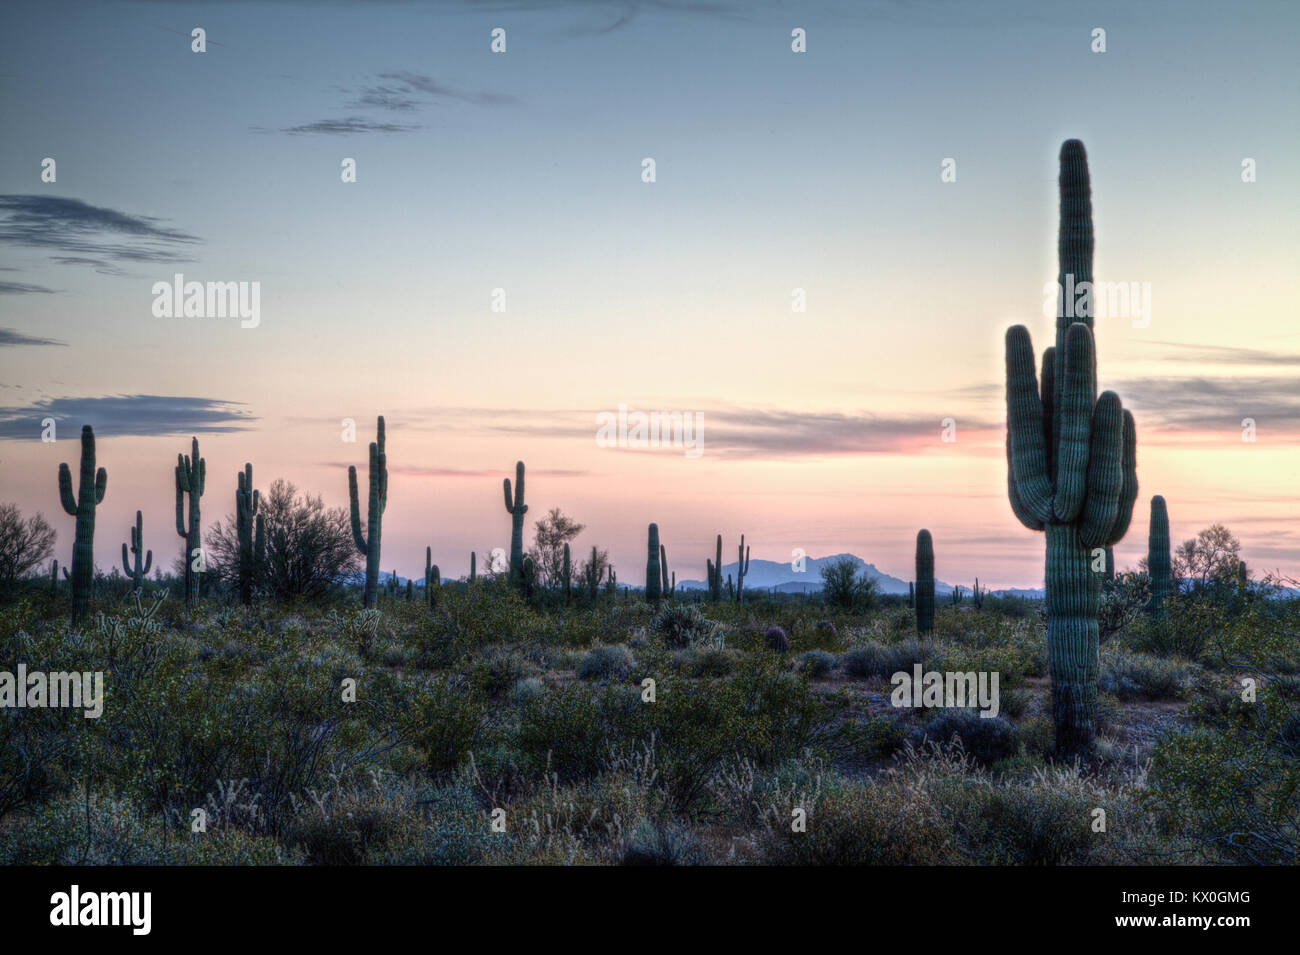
column 54, row 577
column 517, row 508
column 432, row 579
column 924, row 583
column 368, row 543
column 742, row 568
column 191, row 475
column 653, row 568
column 1071, row 464
column 666, row 585
column 247, row 503
column 90, row 491
column 1158, row 561
column 714, row 570
column 568, row 576
column 138, row 571
column 977, row 595
column 473, row 567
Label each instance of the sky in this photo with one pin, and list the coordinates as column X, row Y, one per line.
column 517, row 179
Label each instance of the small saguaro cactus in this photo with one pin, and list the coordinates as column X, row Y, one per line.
column 432, row 579
column 369, row 542
column 138, row 570
column 473, row 567
column 1071, row 463
column 90, row 492
column 611, row 584
column 593, row 575
column 54, row 577
column 956, row 595
column 977, row 595
column 517, row 509
column 665, row 585
column 191, row 475
column 1158, row 560
column 714, row 570
column 742, row 568
column 924, row 583
column 653, row 569
column 247, row 503
column 568, row 576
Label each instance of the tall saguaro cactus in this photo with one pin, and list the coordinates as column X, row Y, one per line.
column 191, row 475
column 666, row 585
column 1158, row 559
column 138, row 571
column 517, row 509
column 742, row 568
column 713, row 568
column 90, row 492
column 1071, row 463
column 247, row 504
column 368, row 543
column 924, row 583
column 653, row 569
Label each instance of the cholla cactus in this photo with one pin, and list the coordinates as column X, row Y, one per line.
column 137, row 571
column 369, row 543
column 1071, row 465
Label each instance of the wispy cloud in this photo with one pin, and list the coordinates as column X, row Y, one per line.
column 21, row 288
column 1223, row 354
column 1211, row 403
column 9, row 337
column 348, row 127
column 135, row 415
column 87, row 232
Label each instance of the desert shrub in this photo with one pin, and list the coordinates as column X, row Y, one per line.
column 872, row 737
column 446, row 722
column 817, row 663
column 709, row 662
column 1122, row 601
column 1233, row 785
column 662, row 842
column 985, row 739
column 606, row 663
column 529, row 688
column 874, row 660
column 497, row 670
column 1140, row 676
